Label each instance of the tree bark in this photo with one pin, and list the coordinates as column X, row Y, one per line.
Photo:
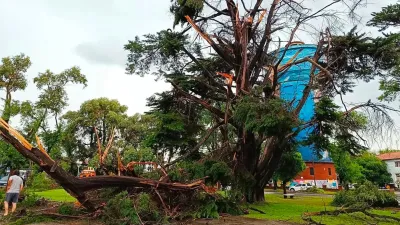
column 275, row 184
column 258, row 194
column 284, row 187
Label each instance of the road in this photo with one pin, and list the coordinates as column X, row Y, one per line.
column 397, row 193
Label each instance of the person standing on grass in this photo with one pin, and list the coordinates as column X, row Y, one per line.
column 14, row 187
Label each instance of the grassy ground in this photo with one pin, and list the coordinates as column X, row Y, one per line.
column 290, row 210
column 279, row 209
column 59, row 195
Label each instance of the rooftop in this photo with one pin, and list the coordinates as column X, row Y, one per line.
column 389, row 156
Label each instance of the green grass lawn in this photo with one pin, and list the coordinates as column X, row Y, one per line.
column 279, row 209
column 59, row 195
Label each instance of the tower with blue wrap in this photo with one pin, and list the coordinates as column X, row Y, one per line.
column 292, row 83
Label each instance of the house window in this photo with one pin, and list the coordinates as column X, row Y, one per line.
column 329, row 171
column 311, row 170
column 397, row 164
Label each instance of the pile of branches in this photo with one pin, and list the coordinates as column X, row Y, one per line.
column 85, row 189
column 308, row 217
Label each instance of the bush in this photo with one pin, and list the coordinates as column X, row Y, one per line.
column 364, row 196
column 120, row 211
column 2, row 196
column 314, row 189
column 41, row 182
column 31, row 199
column 207, row 207
column 67, row 209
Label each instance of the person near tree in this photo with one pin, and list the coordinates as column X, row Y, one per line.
column 14, row 187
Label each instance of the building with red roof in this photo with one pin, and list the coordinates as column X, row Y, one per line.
column 392, row 160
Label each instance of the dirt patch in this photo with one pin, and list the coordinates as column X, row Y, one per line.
column 78, row 222
column 234, row 220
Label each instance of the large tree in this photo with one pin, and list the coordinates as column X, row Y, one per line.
column 347, row 169
column 236, row 44
column 12, row 78
column 290, row 165
column 374, row 169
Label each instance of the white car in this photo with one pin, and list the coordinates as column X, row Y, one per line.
column 300, row 187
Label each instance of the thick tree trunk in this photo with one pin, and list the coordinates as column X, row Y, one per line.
column 275, row 184
column 256, row 195
column 260, row 167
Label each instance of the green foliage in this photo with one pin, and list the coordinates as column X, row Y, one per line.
column 30, row 219
column 268, row 118
column 42, row 182
column 161, row 49
column 67, row 209
column 346, row 167
column 373, row 169
column 360, row 57
column 138, row 155
column 388, row 151
column 102, row 113
column 12, row 79
column 290, row 165
column 229, row 205
column 31, row 200
column 207, row 207
column 10, row 158
column 2, row 196
column 316, row 190
column 333, row 124
column 54, row 96
column 189, row 171
column 365, row 196
column 218, row 172
column 182, row 8
column 388, row 16
column 147, row 208
column 177, row 126
column 120, row 211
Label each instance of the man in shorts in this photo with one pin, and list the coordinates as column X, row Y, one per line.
column 14, row 187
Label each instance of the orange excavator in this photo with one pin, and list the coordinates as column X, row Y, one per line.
column 88, row 172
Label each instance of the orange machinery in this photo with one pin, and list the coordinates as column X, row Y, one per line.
column 88, row 172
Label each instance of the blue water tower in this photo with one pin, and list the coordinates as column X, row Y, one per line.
column 292, row 83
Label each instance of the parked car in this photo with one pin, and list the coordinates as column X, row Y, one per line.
column 300, row 187
column 3, row 181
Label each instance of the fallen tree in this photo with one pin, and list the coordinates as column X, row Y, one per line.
column 307, row 216
column 78, row 187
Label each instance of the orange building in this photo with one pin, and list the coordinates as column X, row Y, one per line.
column 319, row 173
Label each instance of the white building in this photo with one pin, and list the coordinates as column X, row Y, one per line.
column 392, row 161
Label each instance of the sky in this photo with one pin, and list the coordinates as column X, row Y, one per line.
column 57, row 35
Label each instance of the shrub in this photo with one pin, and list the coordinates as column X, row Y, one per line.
column 314, row 189
column 226, row 205
column 67, row 209
column 120, row 211
column 147, row 208
column 364, row 196
column 207, row 209
column 31, row 199
column 2, row 196
column 41, row 182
